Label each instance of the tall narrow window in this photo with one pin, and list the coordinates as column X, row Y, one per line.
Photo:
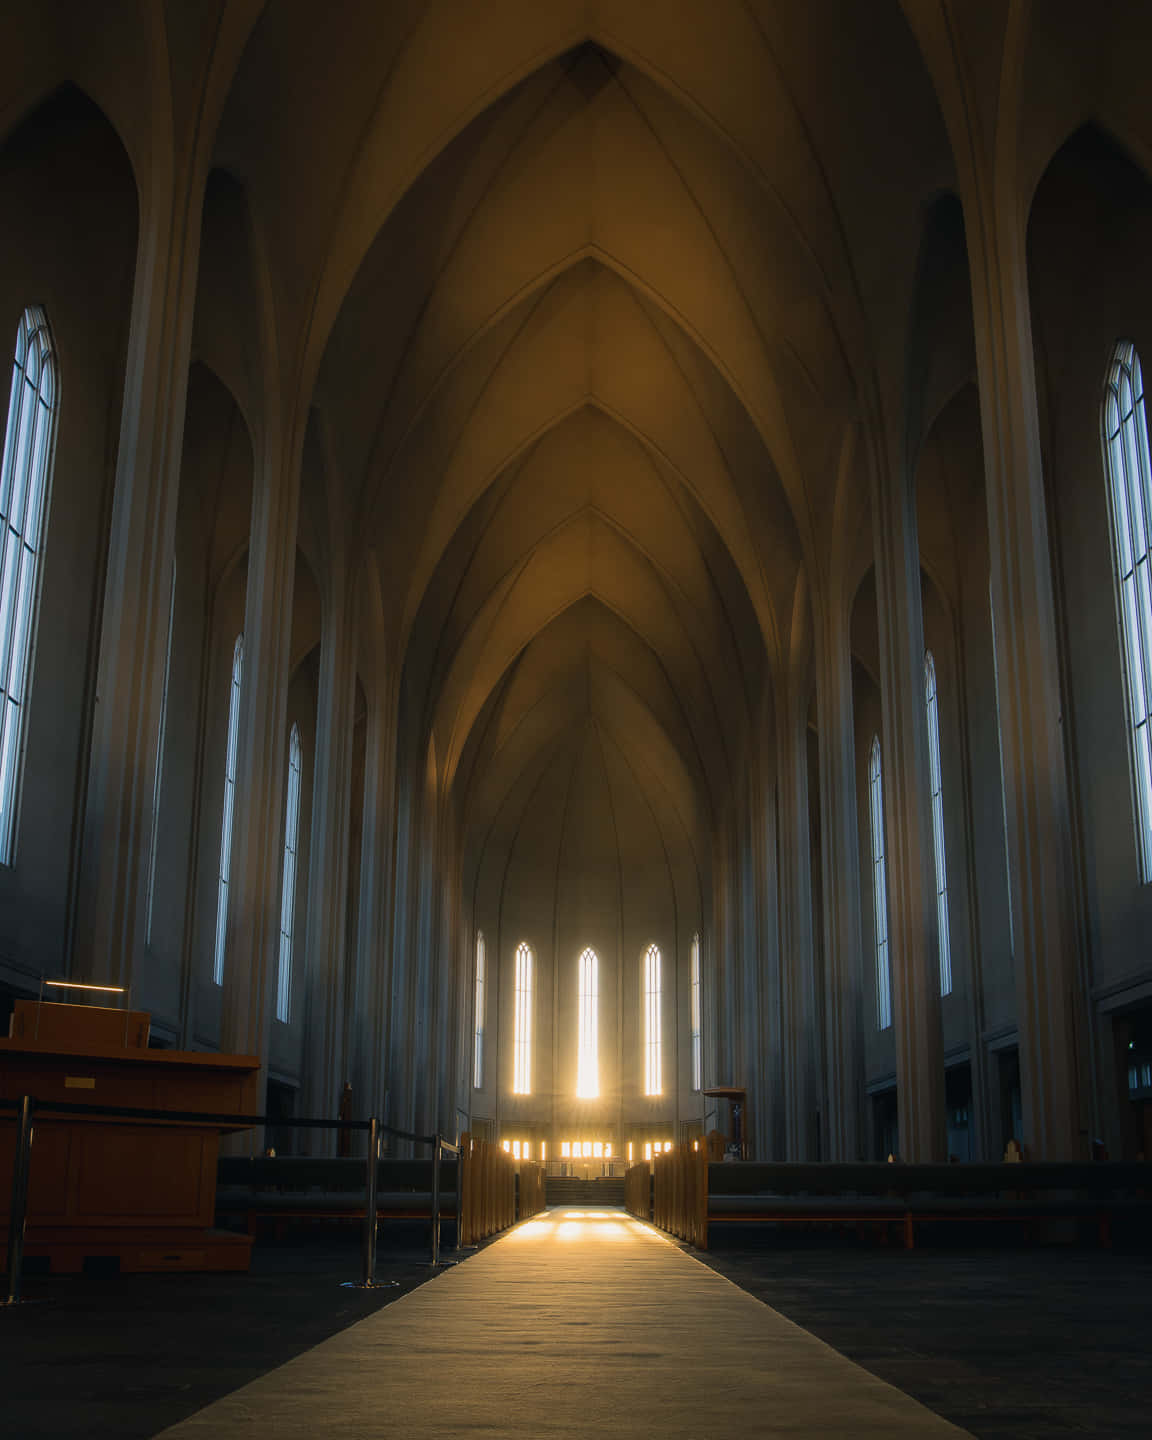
column 1130, row 492
column 478, row 1041
column 226, row 819
column 697, row 1027
column 938, row 822
column 652, row 1058
column 522, row 1040
column 288, row 878
column 155, row 838
column 24, row 484
column 587, row 996
column 879, row 888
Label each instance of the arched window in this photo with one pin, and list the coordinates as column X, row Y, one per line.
column 652, row 1057
column 226, row 819
column 938, row 822
column 24, row 483
column 522, row 1039
column 697, row 1027
column 478, row 1046
column 288, row 878
column 1130, row 494
column 879, row 888
column 587, row 996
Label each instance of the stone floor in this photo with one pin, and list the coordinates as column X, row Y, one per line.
column 1027, row 1343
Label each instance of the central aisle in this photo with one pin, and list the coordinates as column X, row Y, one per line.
column 575, row 1322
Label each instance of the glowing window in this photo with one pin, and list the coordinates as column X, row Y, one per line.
column 478, row 1039
column 1130, row 493
column 598, row 1149
column 516, row 1149
column 288, row 878
column 155, row 837
column 565, row 1149
column 586, row 1149
column 648, row 1150
column 587, row 1067
column 522, row 1037
column 879, row 888
column 608, row 1150
column 938, row 822
column 226, row 819
column 629, row 1152
column 508, row 1146
column 24, row 483
column 697, row 1027
column 652, row 1066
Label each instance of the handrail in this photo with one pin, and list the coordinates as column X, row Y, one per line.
column 28, row 1106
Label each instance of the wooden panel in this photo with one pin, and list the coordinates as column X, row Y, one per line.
column 131, row 1175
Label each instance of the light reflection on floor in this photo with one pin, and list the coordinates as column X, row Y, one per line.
column 569, row 1225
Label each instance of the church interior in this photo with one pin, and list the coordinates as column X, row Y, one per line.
column 609, row 599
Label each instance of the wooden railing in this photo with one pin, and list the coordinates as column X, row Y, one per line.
column 680, row 1194
column 638, row 1190
column 531, row 1193
column 487, row 1189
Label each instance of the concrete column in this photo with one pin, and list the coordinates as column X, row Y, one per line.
column 252, row 939
column 325, row 1061
column 913, row 938
column 108, row 938
column 797, row 958
column 840, row 858
column 1041, row 875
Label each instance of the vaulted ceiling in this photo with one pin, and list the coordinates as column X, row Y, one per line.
column 587, row 295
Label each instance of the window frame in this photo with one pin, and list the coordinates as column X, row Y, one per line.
column 288, row 875
column 696, row 1014
column 879, row 886
column 587, row 1025
column 936, row 783
column 478, row 1015
column 227, row 811
column 1128, row 477
column 653, row 999
column 522, row 1031
column 27, row 461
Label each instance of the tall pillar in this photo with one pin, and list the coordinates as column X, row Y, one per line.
column 840, row 856
column 107, row 936
column 325, row 1063
column 252, row 938
column 797, row 961
column 913, row 936
column 1038, row 805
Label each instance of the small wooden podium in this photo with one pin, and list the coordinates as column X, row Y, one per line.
column 141, row 1191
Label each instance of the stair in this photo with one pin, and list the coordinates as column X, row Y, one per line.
column 571, row 1190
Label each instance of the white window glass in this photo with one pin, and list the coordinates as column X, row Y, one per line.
column 478, row 1043
column 879, row 888
column 24, row 484
column 587, row 996
column 159, row 764
column 1130, row 493
column 288, row 878
column 938, row 822
column 522, row 1038
column 652, row 1066
column 697, row 1028
column 226, row 819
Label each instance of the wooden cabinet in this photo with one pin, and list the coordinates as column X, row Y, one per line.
column 141, row 1191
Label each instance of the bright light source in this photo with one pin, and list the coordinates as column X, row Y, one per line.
column 81, row 985
column 565, row 1150
column 587, row 996
column 507, row 1145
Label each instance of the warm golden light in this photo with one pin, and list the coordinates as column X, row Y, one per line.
column 507, row 1145
column 565, row 1150
column 83, row 985
column 597, row 1150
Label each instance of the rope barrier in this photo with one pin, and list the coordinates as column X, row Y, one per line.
column 28, row 1106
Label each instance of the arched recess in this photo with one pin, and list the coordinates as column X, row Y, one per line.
column 60, row 166
column 1089, row 230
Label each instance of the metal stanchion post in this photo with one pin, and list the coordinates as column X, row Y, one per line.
column 368, row 1281
column 18, row 1215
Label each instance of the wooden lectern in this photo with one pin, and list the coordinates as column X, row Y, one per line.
column 141, row 1191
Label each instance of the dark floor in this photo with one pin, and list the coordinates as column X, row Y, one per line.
column 1033, row 1344
column 113, row 1357
column 1047, row 1342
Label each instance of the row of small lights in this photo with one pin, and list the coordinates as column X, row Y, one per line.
column 582, row 1149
